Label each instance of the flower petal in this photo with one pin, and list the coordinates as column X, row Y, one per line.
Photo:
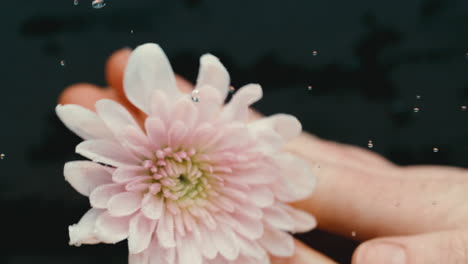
column 277, row 242
column 85, row 176
column 303, row 221
column 187, row 251
column 296, row 181
column 160, row 255
column 83, row 232
column 176, row 134
column 237, row 108
column 210, row 104
column 114, row 115
column 127, row 173
column 185, row 111
column 156, row 131
column 107, row 152
column 125, row 203
column 206, row 245
column 226, row 242
column 112, row 229
column 148, row 69
column 160, row 106
column 83, row 122
column 140, row 233
column 287, row 126
column 213, row 73
column 140, row 258
column 165, row 230
column 261, row 196
column 100, row 196
column 153, row 206
column 278, row 217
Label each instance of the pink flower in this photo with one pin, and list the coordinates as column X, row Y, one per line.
column 197, row 183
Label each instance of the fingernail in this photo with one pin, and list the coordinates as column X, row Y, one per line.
column 381, row 253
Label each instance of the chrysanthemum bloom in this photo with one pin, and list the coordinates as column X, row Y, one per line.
column 196, row 183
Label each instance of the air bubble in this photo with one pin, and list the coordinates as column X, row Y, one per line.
column 463, row 107
column 309, row 87
column 416, row 109
column 2, row 156
column 97, row 4
column 195, row 95
column 76, row 2
column 62, row 63
column 370, row 144
column 435, row 150
column 315, row 53
column 418, row 96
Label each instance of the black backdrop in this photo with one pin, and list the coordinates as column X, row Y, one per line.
column 373, row 59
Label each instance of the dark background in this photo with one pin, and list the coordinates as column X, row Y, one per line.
column 373, row 59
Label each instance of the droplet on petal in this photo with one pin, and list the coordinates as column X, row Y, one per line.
column 195, row 95
column 98, row 4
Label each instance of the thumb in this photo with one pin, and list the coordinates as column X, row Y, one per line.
column 448, row 247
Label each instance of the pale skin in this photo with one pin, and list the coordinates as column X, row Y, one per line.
column 404, row 215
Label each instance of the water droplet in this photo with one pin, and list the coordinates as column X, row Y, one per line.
column 416, row 109
column 98, row 4
column 314, row 53
column 463, row 107
column 309, row 87
column 195, row 95
column 131, row 31
column 2, row 156
column 435, row 149
column 62, row 63
column 353, row 233
column 418, row 96
column 370, row 144
column 75, row 2
column 231, row 89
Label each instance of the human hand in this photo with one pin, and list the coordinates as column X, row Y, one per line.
column 357, row 190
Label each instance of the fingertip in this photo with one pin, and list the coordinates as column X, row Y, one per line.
column 115, row 68
column 184, row 85
column 84, row 94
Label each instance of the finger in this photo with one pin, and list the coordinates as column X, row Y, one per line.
column 449, row 247
column 115, row 68
column 324, row 151
column 85, row 94
column 357, row 203
column 303, row 255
